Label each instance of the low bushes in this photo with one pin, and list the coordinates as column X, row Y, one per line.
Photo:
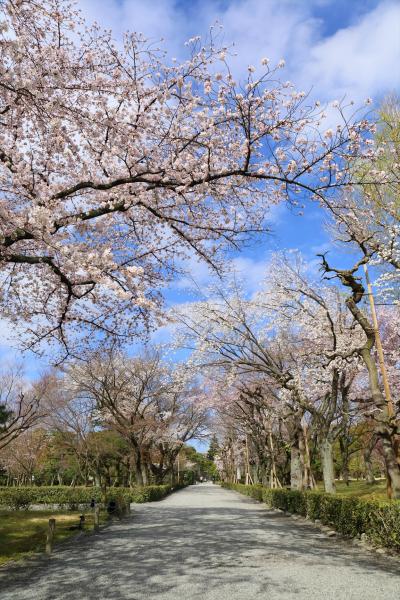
column 147, row 493
column 254, row 491
column 380, row 521
column 21, row 498
column 67, row 497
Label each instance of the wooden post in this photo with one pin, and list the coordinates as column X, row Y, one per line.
column 381, row 360
column 274, row 481
column 249, row 478
column 247, row 462
column 50, row 536
column 379, row 346
column 96, row 525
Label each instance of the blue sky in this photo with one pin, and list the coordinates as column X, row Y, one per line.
column 331, row 47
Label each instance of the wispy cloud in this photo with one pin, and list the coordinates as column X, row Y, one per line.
column 337, row 48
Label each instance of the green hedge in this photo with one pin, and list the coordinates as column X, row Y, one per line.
column 380, row 521
column 66, row 497
column 70, row 497
column 147, row 493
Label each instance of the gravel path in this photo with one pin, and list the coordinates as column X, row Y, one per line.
column 205, row 543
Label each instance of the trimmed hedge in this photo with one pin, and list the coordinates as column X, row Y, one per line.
column 147, row 493
column 66, row 497
column 380, row 521
column 21, row 498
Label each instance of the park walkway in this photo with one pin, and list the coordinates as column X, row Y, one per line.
column 205, row 543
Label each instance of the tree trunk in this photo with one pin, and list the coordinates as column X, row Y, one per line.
column 344, row 451
column 369, row 473
column 138, row 469
column 296, row 469
column 383, row 429
column 386, row 437
column 145, row 475
column 308, row 479
column 328, row 470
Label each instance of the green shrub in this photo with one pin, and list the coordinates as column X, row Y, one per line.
column 16, row 501
column 66, row 497
column 71, row 497
column 254, row 491
column 380, row 521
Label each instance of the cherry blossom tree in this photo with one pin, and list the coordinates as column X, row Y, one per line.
column 155, row 408
column 386, row 412
column 115, row 163
column 297, row 334
column 71, row 421
column 20, row 404
column 22, row 456
column 368, row 217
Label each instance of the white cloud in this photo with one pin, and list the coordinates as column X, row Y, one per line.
column 359, row 60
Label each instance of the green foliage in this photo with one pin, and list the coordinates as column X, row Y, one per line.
column 19, row 498
column 380, row 521
column 213, row 449
column 189, row 477
column 254, row 491
column 24, row 532
column 203, row 466
column 4, row 415
column 67, row 497
column 147, row 493
column 360, row 489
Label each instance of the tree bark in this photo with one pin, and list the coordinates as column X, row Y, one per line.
column 308, row 479
column 328, row 470
column 386, row 427
column 344, row 451
column 296, row 469
column 138, row 469
column 369, row 473
column 383, row 428
column 295, row 431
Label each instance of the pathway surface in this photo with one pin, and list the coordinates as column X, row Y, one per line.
column 205, row 543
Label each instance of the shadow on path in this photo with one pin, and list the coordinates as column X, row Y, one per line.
column 197, row 544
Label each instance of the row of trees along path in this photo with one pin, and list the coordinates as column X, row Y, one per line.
column 117, row 165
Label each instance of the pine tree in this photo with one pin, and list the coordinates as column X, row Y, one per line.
column 213, row 449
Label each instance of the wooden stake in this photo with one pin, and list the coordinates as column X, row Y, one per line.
column 96, row 517
column 274, row 480
column 381, row 360
column 50, row 536
column 248, row 477
column 379, row 348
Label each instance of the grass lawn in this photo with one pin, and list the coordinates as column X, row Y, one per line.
column 361, row 489
column 24, row 532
